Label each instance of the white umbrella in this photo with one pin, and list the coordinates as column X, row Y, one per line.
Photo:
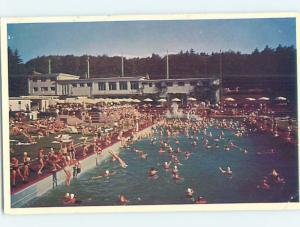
column 148, row 100
column 176, row 100
column 136, row 101
column 130, row 100
column 229, row 99
column 191, row 99
column 250, row 99
column 264, row 99
column 280, row 98
column 162, row 100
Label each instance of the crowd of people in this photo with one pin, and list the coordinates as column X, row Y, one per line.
column 122, row 121
column 199, row 136
column 118, row 123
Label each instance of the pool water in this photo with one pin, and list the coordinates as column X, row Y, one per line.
column 199, row 172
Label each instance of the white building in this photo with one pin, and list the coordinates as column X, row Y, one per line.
column 69, row 85
column 19, row 104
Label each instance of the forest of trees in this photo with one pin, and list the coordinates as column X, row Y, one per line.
column 269, row 61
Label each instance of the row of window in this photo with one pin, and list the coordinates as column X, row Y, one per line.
column 43, row 79
column 82, row 85
column 43, row 89
column 180, row 83
column 102, row 86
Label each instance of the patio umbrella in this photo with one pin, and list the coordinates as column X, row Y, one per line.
column 162, row 100
column 280, row 98
column 229, row 99
column 136, row 101
column 191, row 99
column 264, row 99
column 148, row 100
column 176, row 100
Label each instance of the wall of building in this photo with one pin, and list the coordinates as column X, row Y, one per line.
column 39, row 87
column 19, row 105
column 90, row 87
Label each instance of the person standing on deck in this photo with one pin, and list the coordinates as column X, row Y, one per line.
column 41, row 161
column 26, row 162
column 15, row 170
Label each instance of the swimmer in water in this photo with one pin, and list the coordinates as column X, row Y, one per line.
column 276, row 177
column 187, row 155
column 121, row 162
column 176, row 177
column 166, row 165
column 123, row 200
column 152, row 172
column 161, row 150
column 175, row 170
column 107, row 173
column 228, row 171
column 264, row 185
column 200, row 200
column 70, row 199
column 189, row 192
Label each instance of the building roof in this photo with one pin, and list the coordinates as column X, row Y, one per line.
column 57, row 76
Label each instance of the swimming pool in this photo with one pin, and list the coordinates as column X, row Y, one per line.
column 199, row 172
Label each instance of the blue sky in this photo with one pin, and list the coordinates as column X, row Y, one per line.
column 142, row 38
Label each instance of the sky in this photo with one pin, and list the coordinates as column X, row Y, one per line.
column 142, row 38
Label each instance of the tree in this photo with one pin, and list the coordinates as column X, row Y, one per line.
column 15, row 63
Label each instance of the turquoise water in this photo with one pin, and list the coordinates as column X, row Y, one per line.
column 199, row 172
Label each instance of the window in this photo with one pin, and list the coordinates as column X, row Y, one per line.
column 74, row 85
column 193, row 83
column 44, row 88
column 112, row 86
column 43, row 79
column 134, row 85
column 81, row 84
column 35, row 89
column 180, row 83
column 52, row 79
column 89, row 84
column 34, row 79
column 169, row 84
column 205, row 83
column 150, row 84
column 144, row 83
column 123, row 85
column 157, row 84
column 52, row 88
column 101, row 86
